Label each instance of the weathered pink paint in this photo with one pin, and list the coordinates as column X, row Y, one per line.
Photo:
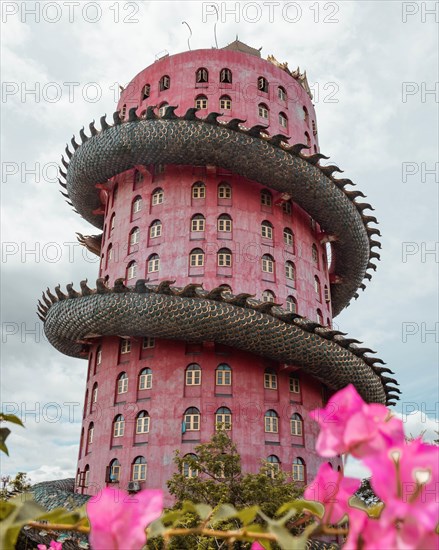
column 168, row 398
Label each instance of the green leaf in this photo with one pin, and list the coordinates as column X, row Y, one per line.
column 302, row 505
column 60, row 515
column 247, row 515
column 172, row 516
column 11, row 418
column 156, row 529
column 356, row 502
column 285, row 539
column 23, row 510
column 6, row 508
column 4, row 432
column 203, row 510
column 224, row 511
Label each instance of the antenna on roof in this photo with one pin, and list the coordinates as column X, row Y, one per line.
column 190, row 30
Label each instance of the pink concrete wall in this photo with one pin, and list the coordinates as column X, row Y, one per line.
column 168, row 398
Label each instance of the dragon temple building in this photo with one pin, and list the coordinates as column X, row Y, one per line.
column 226, row 250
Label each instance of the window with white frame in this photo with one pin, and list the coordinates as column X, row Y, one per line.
column 224, row 191
column 118, row 426
column 223, row 419
column 288, row 237
column 290, row 271
column 223, row 375
column 201, row 102
column 267, row 230
column 142, row 423
column 287, row 207
column 273, row 464
column 139, row 469
column 157, row 197
column 145, row 379
column 263, row 110
column 226, row 76
column 125, row 346
column 94, row 395
column 198, row 190
column 198, row 223
column 132, row 270
column 134, row 236
column 296, row 425
column 270, row 379
column 146, row 91
column 154, row 263
column 224, row 257
column 148, row 342
column 281, row 93
column 294, row 384
column 268, row 296
column 165, row 83
column 114, row 470
column 193, row 375
column 291, row 304
column 155, row 229
column 266, row 198
column 225, row 223
column 196, row 258
column 189, row 469
column 137, row 205
column 122, row 383
column 225, row 103
column 267, row 263
column 271, row 422
column 298, row 469
column 192, row 419
column 262, row 84
column 283, row 120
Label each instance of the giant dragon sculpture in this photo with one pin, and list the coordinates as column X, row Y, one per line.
column 197, row 315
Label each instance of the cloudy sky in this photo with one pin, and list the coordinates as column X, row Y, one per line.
column 373, row 69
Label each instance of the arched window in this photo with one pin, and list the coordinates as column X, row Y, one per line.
column 224, row 223
column 115, row 191
column 288, row 237
column 112, row 224
column 315, row 255
column 114, row 471
column 198, row 223
column 136, row 205
column 165, row 83
column 283, row 120
column 139, row 469
column 131, row 270
column 138, row 178
column 223, row 419
column 320, row 319
column 122, row 383
column 290, row 272
column 94, row 394
column 91, row 429
column 270, row 379
column 263, row 111
column 298, row 469
column 99, row 356
column 134, row 237
column 223, row 375
column 225, row 103
column 314, row 127
column 308, row 139
column 224, row 257
column 201, row 102
column 224, row 191
column 153, row 263
column 268, row 296
column 266, row 198
column 317, row 288
column 202, row 75
column 146, row 91
column 118, row 426
column 281, row 93
column 262, row 84
column 226, row 76
column 125, row 346
column 291, row 304
column 296, row 424
column 142, row 423
column 196, row 258
column 271, row 422
column 192, row 419
column 145, row 379
column 109, row 254
column 189, row 469
column 86, row 475
column 267, row 230
column 267, row 263
column 198, row 190
column 162, row 108
column 157, row 196
column 305, row 116
column 327, row 293
column 273, row 465
column 193, row 375
column 155, row 229
column 123, row 111
column 294, row 384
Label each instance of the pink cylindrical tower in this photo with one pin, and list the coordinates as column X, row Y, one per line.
column 211, row 199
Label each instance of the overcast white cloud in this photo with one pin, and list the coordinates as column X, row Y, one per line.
column 357, row 66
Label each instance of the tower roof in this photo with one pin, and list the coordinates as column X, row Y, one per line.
column 239, row 46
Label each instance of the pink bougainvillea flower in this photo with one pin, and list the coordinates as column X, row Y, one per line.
column 53, row 546
column 333, row 491
column 257, row 546
column 406, row 478
column 118, row 520
column 349, row 425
